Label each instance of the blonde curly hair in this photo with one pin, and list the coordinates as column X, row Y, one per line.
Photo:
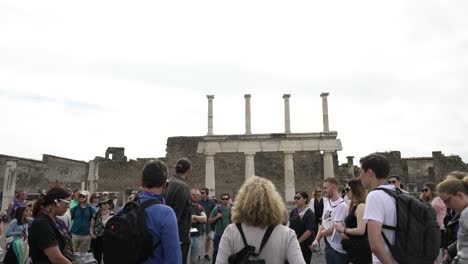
column 258, row 203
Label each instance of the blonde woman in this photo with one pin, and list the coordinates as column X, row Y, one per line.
column 259, row 206
column 454, row 194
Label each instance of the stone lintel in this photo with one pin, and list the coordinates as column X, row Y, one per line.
column 246, row 95
column 324, row 94
column 210, row 97
column 286, row 96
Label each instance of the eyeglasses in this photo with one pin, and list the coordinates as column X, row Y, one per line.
column 225, row 199
column 65, row 201
column 447, row 200
column 392, row 182
column 297, row 197
column 347, row 189
column 424, row 190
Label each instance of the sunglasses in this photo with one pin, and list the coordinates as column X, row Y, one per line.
column 225, row 199
column 392, row 182
column 297, row 197
column 347, row 189
column 424, row 190
column 65, row 201
column 82, row 196
column 318, row 191
column 96, row 197
column 202, row 192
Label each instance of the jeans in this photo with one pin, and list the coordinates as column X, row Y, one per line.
column 334, row 257
column 216, row 240
column 195, row 248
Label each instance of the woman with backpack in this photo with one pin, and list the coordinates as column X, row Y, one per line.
column 49, row 238
column 97, row 228
column 257, row 217
column 354, row 229
column 454, row 194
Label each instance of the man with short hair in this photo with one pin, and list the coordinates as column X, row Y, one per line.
column 395, row 181
column 335, row 210
column 81, row 216
column 160, row 219
column 380, row 207
column 221, row 217
column 198, row 223
column 208, row 205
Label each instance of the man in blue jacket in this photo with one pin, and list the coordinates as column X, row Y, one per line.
column 160, row 219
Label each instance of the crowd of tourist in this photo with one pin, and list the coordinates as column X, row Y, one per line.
column 362, row 223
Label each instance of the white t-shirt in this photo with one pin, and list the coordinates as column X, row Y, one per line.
column 332, row 212
column 380, row 207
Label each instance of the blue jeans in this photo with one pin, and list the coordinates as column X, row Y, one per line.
column 195, row 248
column 216, row 240
column 334, row 257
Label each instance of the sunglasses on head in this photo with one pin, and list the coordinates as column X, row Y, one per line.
column 424, row 190
column 391, row 182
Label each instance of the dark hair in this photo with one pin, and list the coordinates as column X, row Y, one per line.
column 53, row 194
column 225, row 194
column 304, row 195
column 205, row 190
column 19, row 214
column 377, row 163
column 395, row 176
column 432, row 187
column 359, row 194
column 154, row 174
column 183, row 165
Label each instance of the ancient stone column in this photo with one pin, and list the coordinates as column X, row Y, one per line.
column 289, row 184
column 248, row 129
column 210, row 114
column 249, row 165
column 325, row 111
column 350, row 166
column 210, row 173
column 287, row 121
column 328, row 164
column 9, row 184
column 93, row 176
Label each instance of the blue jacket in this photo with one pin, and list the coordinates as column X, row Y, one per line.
column 162, row 225
column 81, row 220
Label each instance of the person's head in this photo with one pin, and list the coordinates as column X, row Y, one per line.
column 330, row 187
column 105, row 195
column 373, row 167
column 22, row 195
column 457, row 175
column 225, row 199
column 453, row 193
column 204, row 192
column 195, row 194
column 355, row 191
column 428, row 191
column 20, row 214
column 317, row 192
column 154, row 174
column 83, row 197
column 56, row 200
column 183, row 167
column 258, row 203
column 95, row 198
column 395, row 181
column 105, row 204
column 301, row 199
column 76, row 194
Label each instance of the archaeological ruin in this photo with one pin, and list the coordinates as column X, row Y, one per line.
column 292, row 161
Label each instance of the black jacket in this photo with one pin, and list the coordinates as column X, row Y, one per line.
column 177, row 196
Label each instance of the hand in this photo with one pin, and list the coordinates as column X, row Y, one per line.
column 93, row 236
column 315, row 243
column 339, row 227
column 447, row 257
column 219, row 215
column 344, row 236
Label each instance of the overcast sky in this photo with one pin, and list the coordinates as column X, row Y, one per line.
column 77, row 77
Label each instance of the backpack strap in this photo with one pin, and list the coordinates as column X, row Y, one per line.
column 149, row 202
column 394, row 194
column 266, row 237
column 239, row 227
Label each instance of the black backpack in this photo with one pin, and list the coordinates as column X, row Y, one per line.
column 126, row 237
column 242, row 256
column 417, row 234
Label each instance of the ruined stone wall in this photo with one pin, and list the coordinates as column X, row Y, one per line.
column 418, row 173
column 445, row 164
column 118, row 176
column 33, row 175
column 230, row 167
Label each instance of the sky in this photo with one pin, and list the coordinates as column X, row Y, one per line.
column 78, row 77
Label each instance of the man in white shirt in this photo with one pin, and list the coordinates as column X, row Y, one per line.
column 335, row 210
column 380, row 206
